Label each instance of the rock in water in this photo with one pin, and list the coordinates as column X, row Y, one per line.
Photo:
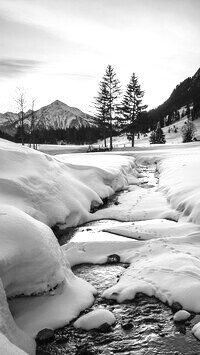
column 127, row 326
column 113, row 258
column 181, row 316
column 104, row 328
column 196, row 330
column 176, row 306
column 45, row 336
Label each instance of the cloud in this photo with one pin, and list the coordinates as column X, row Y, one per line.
column 10, row 68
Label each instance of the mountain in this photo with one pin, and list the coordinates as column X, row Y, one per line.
column 56, row 115
column 59, row 115
column 187, row 93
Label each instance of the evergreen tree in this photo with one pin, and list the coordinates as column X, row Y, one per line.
column 112, row 91
column 188, row 131
column 102, row 109
column 132, row 107
column 157, row 136
column 188, row 111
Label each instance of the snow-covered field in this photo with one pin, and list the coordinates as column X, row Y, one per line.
column 38, row 191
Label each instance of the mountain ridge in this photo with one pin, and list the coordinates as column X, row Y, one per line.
column 185, row 93
column 56, row 115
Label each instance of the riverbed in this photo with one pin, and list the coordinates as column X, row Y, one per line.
column 143, row 325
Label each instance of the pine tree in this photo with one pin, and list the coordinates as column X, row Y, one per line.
column 132, row 107
column 106, row 103
column 188, row 131
column 157, row 136
column 113, row 90
column 102, row 111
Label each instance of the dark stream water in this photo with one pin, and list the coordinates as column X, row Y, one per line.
column 152, row 330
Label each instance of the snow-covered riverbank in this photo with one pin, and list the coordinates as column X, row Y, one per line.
column 38, row 191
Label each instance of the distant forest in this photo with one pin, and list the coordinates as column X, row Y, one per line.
column 83, row 135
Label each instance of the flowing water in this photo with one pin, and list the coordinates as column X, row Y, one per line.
column 144, row 325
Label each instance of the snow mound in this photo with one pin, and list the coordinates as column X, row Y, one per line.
column 95, row 319
column 54, row 310
column 12, row 338
column 55, row 191
column 31, row 260
column 38, row 191
column 179, row 180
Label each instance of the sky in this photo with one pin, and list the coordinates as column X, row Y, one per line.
column 59, row 49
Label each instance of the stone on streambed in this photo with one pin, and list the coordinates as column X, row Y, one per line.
column 113, row 258
column 45, row 336
column 176, row 306
column 196, row 330
column 127, row 325
column 181, row 316
column 95, row 320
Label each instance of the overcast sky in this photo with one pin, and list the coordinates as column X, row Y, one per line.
column 59, row 49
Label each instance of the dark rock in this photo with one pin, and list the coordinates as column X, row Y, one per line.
column 45, row 336
column 116, row 203
column 181, row 328
column 162, row 335
column 110, row 302
column 127, row 326
column 125, row 265
column 113, row 258
column 104, row 328
column 176, row 306
column 105, row 200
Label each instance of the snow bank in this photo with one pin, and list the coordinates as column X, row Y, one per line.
column 180, row 181
column 95, row 319
column 165, row 267
column 38, row 191
column 12, row 338
column 55, row 191
column 53, row 310
column 31, row 260
column 137, row 205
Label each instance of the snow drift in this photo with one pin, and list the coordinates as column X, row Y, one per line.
column 38, row 191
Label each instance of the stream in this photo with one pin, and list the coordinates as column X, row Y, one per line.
column 144, row 325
